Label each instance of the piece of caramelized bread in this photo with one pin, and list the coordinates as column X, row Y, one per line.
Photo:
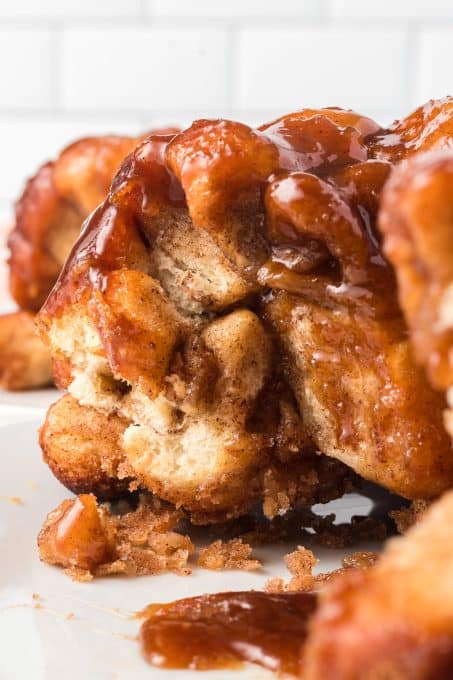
column 393, row 621
column 24, row 358
column 417, row 223
column 48, row 219
column 229, row 301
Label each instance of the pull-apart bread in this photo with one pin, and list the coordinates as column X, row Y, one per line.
column 48, row 218
column 393, row 621
column 228, row 330
column 417, row 222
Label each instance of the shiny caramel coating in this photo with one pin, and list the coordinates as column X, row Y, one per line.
column 428, row 128
column 232, row 278
column 48, row 220
column 74, row 535
column 355, row 381
column 91, row 539
column 417, row 222
column 50, row 212
column 320, row 139
column 224, row 630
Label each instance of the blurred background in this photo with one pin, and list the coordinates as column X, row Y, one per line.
column 76, row 67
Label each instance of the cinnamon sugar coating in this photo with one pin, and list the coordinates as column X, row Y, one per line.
column 88, row 540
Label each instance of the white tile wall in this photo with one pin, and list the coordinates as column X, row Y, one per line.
column 280, row 67
column 434, row 58
column 68, row 9
column 25, row 68
column 144, row 69
column 74, row 67
column 234, row 8
column 391, row 9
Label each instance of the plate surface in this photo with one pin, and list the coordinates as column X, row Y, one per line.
column 17, row 407
column 85, row 630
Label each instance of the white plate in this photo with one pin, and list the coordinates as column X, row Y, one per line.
column 79, row 632
column 17, row 407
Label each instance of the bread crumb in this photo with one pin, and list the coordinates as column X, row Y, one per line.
column 233, row 554
column 313, row 529
column 90, row 540
column 405, row 517
column 301, row 563
column 80, row 575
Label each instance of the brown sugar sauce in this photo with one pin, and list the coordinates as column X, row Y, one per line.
column 317, row 217
column 225, row 630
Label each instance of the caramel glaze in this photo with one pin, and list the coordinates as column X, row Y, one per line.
column 111, row 238
column 77, row 537
column 429, row 127
column 227, row 629
column 52, row 207
column 311, row 180
column 293, row 206
column 307, row 179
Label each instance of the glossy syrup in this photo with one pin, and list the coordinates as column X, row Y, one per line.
column 225, row 630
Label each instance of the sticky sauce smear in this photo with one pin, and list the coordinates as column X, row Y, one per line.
column 226, row 630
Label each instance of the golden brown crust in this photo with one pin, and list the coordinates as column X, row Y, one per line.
column 83, row 449
column 24, row 358
column 364, row 400
column 394, row 620
column 417, row 222
column 48, row 219
column 50, row 212
column 32, row 268
column 217, row 373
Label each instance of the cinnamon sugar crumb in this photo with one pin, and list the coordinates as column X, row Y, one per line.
column 313, row 529
column 80, row 575
column 89, row 540
column 233, row 554
column 405, row 517
column 301, row 563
